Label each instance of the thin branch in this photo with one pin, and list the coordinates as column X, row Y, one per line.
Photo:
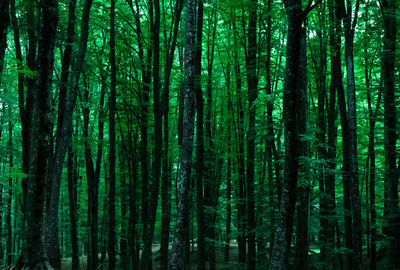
column 311, row 6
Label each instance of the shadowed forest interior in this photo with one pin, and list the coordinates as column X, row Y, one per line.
column 199, row 134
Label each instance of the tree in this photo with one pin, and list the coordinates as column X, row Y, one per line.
column 112, row 109
column 391, row 202
column 34, row 254
column 177, row 261
column 293, row 101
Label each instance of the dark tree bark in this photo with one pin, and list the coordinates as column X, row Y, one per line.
column 156, row 169
column 349, row 25
column 199, row 164
column 293, row 101
column 132, row 163
column 4, row 22
column 252, row 81
column 73, row 205
column 34, row 253
column 112, row 109
column 229, row 165
column 303, row 188
column 10, row 190
column 166, row 164
column 241, row 161
column 67, row 100
column 329, row 187
column 371, row 161
column 270, row 144
column 391, row 227
column 92, row 172
column 210, row 175
column 337, row 12
column 178, row 255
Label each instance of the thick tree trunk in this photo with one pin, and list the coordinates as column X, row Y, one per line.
column 336, row 82
column 34, row 254
column 178, row 255
column 303, row 189
column 352, row 138
column 166, row 164
column 295, row 82
column 67, row 102
column 391, row 227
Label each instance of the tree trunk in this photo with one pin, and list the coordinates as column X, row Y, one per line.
column 10, row 190
column 241, row 205
column 166, row 164
column 303, row 189
column 73, row 206
column 210, row 187
column 295, row 83
column 178, row 255
column 352, row 138
column 336, row 82
column 150, row 225
column 339, row 13
column 67, row 100
column 200, row 167
column 391, row 227
column 372, row 165
column 252, row 81
column 112, row 182
column 4, row 22
column 34, row 254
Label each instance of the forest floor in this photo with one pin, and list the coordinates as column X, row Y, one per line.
column 220, row 261
column 221, row 264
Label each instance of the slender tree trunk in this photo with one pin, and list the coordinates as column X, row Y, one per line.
column 92, row 173
column 252, row 81
column 4, row 22
column 241, row 165
column 150, row 224
column 337, row 13
column 332, row 138
column 178, row 255
column 371, row 161
column 73, row 206
column 10, row 190
column 210, row 187
column 133, row 217
column 112, row 109
column 229, row 166
column 200, row 167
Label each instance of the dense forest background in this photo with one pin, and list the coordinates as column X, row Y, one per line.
column 199, row 134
